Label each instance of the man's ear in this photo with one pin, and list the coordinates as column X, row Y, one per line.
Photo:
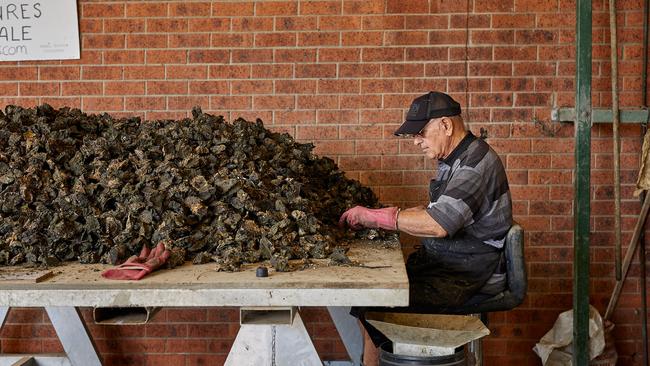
column 448, row 125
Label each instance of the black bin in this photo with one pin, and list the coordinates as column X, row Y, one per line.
column 388, row 358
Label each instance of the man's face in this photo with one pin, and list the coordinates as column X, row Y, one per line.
column 434, row 138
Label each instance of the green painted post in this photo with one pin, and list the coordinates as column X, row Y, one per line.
column 581, row 205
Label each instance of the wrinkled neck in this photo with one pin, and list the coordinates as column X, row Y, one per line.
column 454, row 141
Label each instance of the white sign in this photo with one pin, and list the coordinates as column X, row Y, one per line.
column 38, row 30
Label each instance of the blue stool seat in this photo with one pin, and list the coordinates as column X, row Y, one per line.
column 516, row 280
column 512, row 295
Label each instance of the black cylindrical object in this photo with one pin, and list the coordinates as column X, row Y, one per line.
column 388, row 358
column 262, row 272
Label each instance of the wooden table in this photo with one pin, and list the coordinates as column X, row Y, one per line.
column 379, row 279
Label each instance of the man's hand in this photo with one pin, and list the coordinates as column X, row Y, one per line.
column 359, row 217
column 136, row 267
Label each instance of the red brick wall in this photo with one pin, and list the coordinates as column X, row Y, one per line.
column 341, row 73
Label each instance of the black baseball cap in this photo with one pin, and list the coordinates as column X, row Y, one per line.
column 424, row 108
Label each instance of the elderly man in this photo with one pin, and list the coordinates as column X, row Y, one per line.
column 463, row 227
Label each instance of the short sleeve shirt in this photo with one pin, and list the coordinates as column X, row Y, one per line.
column 470, row 194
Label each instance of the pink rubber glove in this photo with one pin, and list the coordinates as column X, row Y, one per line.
column 359, row 217
column 136, row 267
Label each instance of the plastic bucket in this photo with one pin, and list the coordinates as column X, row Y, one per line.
column 387, row 358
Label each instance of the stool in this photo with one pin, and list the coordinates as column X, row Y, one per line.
column 508, row 299
column 517, row 282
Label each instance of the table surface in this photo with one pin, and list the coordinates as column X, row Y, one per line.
column 378, row 279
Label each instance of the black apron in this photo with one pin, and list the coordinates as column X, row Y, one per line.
column 443, row 273
column 446, row 273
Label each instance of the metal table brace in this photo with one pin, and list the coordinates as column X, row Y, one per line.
column 80, row 350
column 74, row 337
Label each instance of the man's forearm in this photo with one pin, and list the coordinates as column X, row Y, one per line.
column 417, row 222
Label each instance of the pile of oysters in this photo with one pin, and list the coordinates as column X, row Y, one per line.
column 95, row 189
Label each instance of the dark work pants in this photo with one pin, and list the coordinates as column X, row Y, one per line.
column 443, row 274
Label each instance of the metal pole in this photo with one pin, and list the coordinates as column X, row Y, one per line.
column 644, row 129
column 582, row 184
column 644, row 70
column 644, row 303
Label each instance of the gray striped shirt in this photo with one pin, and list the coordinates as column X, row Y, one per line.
column 471, row 194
